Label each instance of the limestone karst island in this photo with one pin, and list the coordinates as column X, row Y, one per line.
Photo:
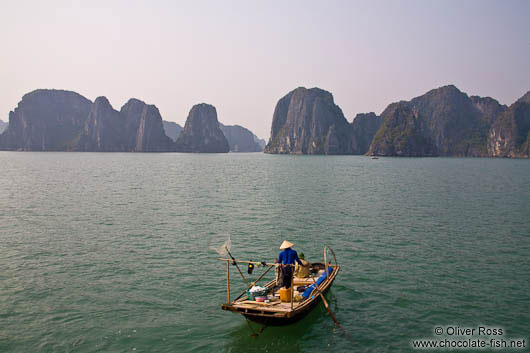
column 442, row 122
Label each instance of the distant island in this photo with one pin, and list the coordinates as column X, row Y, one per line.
column 442, row 122
column 201, row 132
column 307, row 121
column 240, row 139
column 58, row 120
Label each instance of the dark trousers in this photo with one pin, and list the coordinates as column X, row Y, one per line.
column 287, row 275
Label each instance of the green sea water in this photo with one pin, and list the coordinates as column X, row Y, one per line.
column 111, row 252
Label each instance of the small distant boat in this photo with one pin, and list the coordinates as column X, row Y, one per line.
column 276, row 312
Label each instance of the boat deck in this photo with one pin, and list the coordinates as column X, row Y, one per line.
column 276, row 305
column 276, row 309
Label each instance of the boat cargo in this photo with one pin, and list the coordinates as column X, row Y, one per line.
column 305, row 294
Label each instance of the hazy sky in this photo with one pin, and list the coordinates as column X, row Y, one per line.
column 242, row 56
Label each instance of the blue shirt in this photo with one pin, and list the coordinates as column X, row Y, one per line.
column 288, row 257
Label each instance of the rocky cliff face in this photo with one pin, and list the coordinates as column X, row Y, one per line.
column 144, row 128
column 403, row 133
column 240, row 139
column 104, row 129
column 455, row 125
column 364, row 128
column 3, row 126
column 53, row 120
column 172, row 129
column 307, row 121
column 137, row 127
column 46, row 120
column 509, row 136
column 489, row 108
column 201, row 132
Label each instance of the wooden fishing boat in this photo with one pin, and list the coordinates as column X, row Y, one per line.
column 276, row 312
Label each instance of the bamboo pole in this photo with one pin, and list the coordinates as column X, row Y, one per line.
column 235, row 263
column 333, row 253
column 249, row 285
column 228, row 281
column 251, row 262
column 292, row 288
column 254, row 283
column 326, row 259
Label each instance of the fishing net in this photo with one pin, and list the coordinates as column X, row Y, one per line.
column 222, row 249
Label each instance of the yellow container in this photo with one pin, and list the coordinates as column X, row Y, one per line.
column 285, row 295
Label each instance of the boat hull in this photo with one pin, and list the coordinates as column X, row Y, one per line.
column 277, row 321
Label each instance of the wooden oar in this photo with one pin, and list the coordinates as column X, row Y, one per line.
column 235, row 263
column 326, row 304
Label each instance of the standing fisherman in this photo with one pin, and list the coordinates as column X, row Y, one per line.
column 287, row 257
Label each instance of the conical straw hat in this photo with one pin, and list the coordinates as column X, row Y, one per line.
column 286, row 244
